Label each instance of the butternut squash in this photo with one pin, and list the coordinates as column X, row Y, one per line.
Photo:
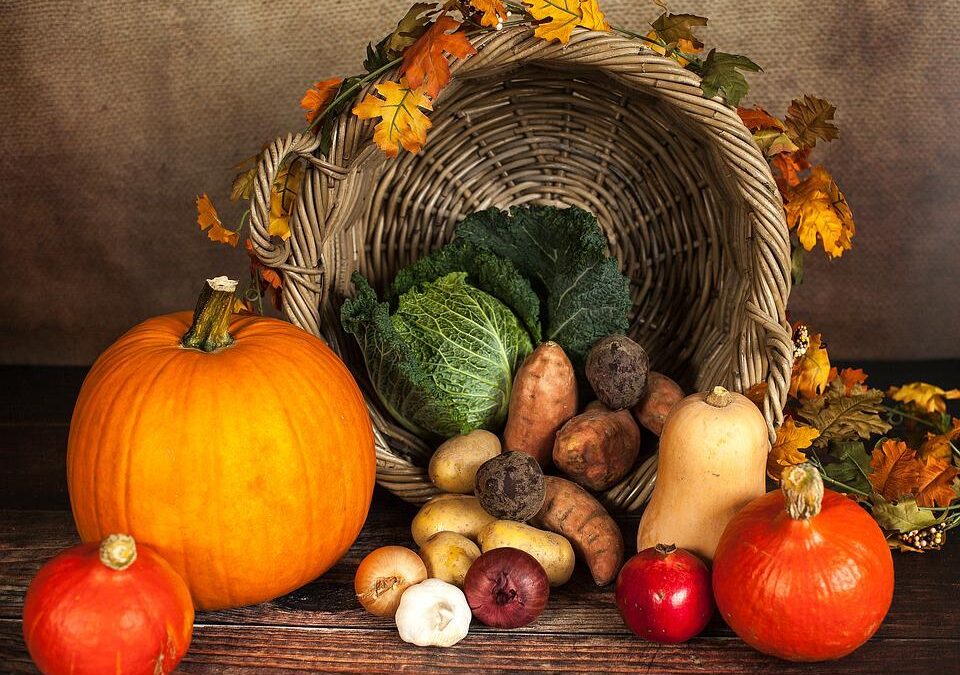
column 713, row 454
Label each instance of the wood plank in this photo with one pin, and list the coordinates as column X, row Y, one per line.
column 926, row 585
column 255, row 649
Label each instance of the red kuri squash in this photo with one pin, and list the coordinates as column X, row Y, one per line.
column 111, row 607
column 237, row 446
column 803, row 573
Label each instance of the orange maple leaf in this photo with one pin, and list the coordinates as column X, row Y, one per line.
column 818, row 210
column 811, row 372
column 424, row 60
column 209, row 221
column 758, row 119
column 922, row 396
column 787, row 169
column 852, row 379
column 318, row 96
column 896, row 470
column 402, row 123
column 493, row 12
column 939, row 445
column 787, row 449
column 936, row 483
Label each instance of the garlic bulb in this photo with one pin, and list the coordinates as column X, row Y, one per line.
column 433, row 613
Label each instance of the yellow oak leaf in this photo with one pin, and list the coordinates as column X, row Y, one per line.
column 592, row 17
column 939, row 445
column 402, row 123
column 818, row 210
column 924, row 397
column 282, row 199
column 493, row 13
column 896, row 470
column 936, row 482
column 424, row 62
column 318, row 96
column 811, row 371
column 557, row 18
column 209, row 221
column 787, row 450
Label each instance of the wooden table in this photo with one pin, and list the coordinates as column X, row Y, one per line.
column 320, row 628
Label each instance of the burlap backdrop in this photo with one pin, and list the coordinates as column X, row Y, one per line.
column 115, row 115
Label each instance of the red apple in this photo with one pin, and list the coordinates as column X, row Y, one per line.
column 664, row 594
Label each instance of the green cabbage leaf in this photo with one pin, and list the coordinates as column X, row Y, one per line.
column 442, row 364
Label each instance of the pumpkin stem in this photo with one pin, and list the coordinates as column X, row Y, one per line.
column 719, row 397
column 118, row 551
column 210, row 330
column 802, row 490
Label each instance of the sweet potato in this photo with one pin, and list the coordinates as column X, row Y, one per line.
column 544, row 397
column 597, row 448
column 573, row 512
column 662, row 394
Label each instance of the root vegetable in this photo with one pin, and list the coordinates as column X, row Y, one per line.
column 454, row 464
column 510, row 486
column 544, row 396
column 551, row 550
column 433, row 614
column 571, row 511
column 617, row 370
column 507, row 588
column 450, row 513
column 448, row 556
column 662, row 394
column 597, row 448
column 384, row 575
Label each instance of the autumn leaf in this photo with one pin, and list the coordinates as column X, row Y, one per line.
column 492, row 12
column 413, row 24
column 938, row 445
column 242, row 306
column 786, row 450
column 902, row 516
column 757, row 393
column 936, row 482
column 772, row 142
column 674, row 28
column 318, row 96
column 758, row 119
column 402, row 123
column 592, row 17
column 556, row 18
column 896, row 470
column 424, row 61
column 811, row 372
column 811, row 119
column 852, row 465
column 852, row 379
column 268, row 274
column 788, row 167
column 924, row 397
column 243, row 184
column 721, row 73
column 282, row 199
column 684, row 46
column 818, row 210
column 209, row 221
column 843, row 418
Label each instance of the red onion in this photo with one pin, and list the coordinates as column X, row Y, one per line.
column 506, row 588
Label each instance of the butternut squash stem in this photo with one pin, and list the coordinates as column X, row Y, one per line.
column 118, row 551
column 802, row 491
column 210, row 330
column 719, row 397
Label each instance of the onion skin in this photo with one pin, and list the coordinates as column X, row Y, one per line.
column 506, row 588
column 384, row 575
column 663, row 594
column 803, row 589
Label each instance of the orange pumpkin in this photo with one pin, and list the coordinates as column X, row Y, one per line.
column 239, row 448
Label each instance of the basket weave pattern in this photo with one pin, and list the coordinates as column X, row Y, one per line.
column 684, row 196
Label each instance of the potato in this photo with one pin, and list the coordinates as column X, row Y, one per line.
column 454, row 465
column 448, row 556
column 544, row 396
column 551, row 550
column 617, row 370
column 461, row 514
column 662, row 394
column 597, row 448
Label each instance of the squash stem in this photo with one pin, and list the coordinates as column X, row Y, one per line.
column 802, row 490
column 210, row 330
column 118, row 551
column 719, row 397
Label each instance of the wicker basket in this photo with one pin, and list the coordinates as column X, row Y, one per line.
column 686, row 199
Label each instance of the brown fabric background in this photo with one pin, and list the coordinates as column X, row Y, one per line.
column 115, row 115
